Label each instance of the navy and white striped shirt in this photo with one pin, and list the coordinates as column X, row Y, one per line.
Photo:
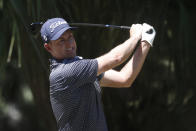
column 75, row 95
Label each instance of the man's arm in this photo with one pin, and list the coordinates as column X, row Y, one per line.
column 129, row 72
column 120, row 53
column 126, row 76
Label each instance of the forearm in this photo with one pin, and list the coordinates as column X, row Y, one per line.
column 124, row 50
column 117, row 55
column 131, row 70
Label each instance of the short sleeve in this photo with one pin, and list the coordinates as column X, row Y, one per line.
column 84, row 71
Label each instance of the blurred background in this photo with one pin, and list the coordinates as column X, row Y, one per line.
column 161, row 99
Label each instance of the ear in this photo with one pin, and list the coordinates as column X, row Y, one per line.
column 47, row 47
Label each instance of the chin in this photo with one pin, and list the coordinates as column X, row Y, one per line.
column 70, row 56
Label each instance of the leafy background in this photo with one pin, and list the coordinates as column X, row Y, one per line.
column 162, row 97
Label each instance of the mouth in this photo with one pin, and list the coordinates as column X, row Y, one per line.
column 69, row 50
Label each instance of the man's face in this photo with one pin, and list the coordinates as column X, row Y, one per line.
column 64, row 47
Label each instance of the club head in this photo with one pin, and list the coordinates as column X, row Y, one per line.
column 34, row 27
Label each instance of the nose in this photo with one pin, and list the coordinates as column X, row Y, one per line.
column 70, row 42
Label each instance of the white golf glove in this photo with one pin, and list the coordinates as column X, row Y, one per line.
column 148, row 34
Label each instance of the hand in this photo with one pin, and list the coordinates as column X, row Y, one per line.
column 148, row 34
column 136, row 31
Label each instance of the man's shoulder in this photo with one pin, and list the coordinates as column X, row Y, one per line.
column 68, row 68
column 60, row 69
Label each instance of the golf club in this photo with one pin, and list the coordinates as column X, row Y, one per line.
column 34, row 25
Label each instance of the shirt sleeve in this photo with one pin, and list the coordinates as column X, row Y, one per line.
column 84, row 71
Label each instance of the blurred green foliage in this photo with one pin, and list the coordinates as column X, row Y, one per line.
column 162, row 97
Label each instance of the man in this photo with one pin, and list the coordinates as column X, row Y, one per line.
column 75, row 82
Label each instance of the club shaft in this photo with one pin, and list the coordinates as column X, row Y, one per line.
column 34, row 25
column 100, row 25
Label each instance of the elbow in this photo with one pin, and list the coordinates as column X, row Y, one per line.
column 127, row 83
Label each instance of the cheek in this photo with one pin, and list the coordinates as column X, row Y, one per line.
column 74, row 44
column 59, row 49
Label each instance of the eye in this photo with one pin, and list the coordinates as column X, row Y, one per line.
column 71, row 37
column 61, row 41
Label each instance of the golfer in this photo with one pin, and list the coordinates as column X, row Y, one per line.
column 75, row 92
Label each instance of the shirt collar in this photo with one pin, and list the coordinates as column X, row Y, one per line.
column 55, row 62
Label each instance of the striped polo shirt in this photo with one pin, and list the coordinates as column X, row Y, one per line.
column 75, row 95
